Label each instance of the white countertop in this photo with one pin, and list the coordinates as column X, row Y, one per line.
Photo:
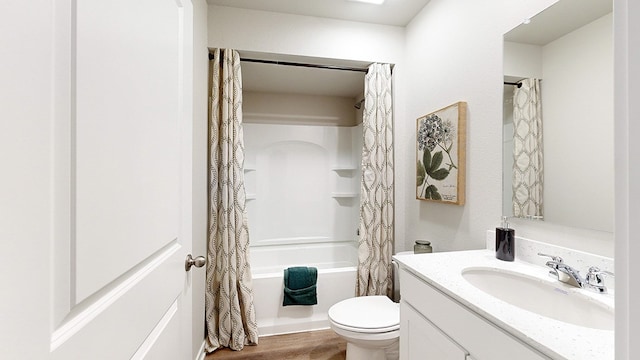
column 556, row 339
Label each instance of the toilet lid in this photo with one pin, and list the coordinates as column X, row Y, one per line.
column 366, row 313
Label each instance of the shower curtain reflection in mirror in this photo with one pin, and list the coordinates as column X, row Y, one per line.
column 528, row 159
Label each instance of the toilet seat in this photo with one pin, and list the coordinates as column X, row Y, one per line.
column 366, row 314
column 365, row 331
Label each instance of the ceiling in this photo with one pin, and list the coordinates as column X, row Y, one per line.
column 558, row 20
column 391, row 12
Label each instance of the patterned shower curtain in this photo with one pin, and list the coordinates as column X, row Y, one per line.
column 528, row 158
column 230, row 314
column 375, row 244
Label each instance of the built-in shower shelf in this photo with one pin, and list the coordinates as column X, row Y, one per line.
column 343, row 168
column 247, row 169
column 250, row 196
column 344, row 195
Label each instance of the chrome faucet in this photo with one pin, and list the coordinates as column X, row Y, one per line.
column 564, row 273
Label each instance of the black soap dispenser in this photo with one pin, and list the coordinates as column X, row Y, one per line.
column 505, row 241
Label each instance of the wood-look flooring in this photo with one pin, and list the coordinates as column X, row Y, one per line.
column 313, row 345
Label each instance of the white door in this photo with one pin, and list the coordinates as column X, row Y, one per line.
column 96, row 179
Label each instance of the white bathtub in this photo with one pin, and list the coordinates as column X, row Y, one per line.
column 336, row 263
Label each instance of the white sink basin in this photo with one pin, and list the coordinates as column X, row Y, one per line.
column 541, row 297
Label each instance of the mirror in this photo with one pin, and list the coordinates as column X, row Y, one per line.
column 569, row 48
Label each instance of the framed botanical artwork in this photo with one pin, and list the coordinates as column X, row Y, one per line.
column 440, row 155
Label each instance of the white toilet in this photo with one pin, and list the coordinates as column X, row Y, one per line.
column 369, row 324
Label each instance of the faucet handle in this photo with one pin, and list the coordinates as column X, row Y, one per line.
column 555, row 258
column 595, row 275
column 595, row 279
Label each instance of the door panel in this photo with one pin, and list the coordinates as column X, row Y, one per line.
column 126, row 148
column 157, row 345
column 114, row 324
column 122, row 175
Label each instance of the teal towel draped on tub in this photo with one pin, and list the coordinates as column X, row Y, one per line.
column 300, row 286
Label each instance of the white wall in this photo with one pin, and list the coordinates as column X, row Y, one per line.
column 577, row 98
column 277, row 108
column 278, row 33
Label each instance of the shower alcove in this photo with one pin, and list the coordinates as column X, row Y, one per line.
column 303, row 141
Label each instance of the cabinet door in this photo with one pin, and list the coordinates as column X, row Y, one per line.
column 420, row 339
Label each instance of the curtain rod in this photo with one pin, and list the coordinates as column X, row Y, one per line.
column 518, row 84
column 288, row 63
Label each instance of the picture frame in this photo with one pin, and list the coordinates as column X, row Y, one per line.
column 441, row 155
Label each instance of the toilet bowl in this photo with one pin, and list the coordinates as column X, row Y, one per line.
column 369, row 324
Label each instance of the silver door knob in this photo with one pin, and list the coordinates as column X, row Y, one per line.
column 197, row 262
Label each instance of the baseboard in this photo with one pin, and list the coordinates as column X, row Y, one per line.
column 290, row 328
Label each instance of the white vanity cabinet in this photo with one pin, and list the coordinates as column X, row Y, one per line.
column 435, row 326
column 420, row 339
